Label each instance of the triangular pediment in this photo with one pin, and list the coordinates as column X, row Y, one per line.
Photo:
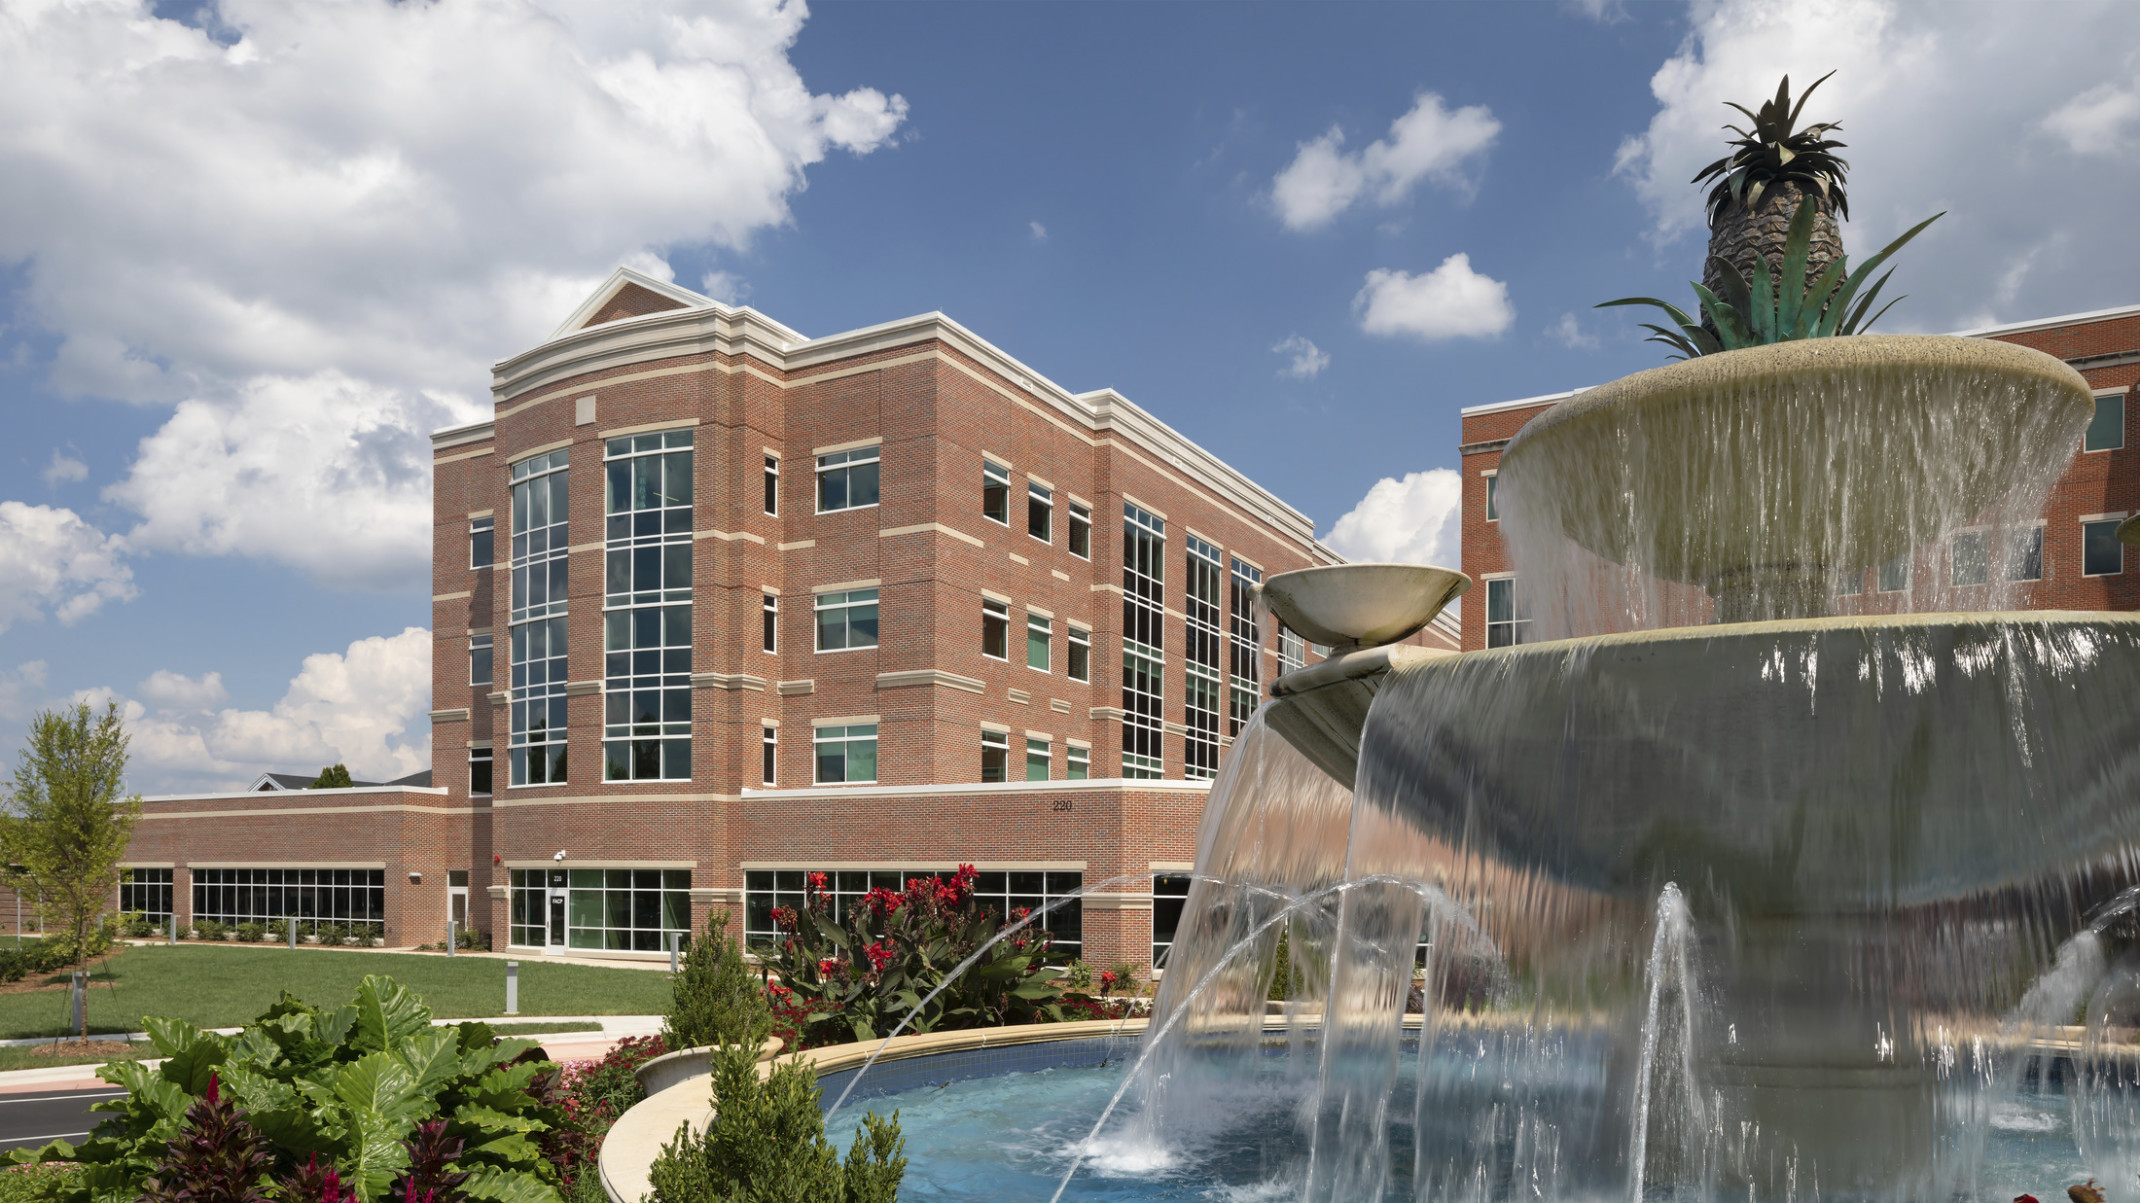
column 629, row 294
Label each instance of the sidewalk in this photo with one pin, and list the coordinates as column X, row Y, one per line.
column 654, row 961
column 562, row 1046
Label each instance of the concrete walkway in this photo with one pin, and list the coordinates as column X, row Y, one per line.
column 562, row 1046
column 658, row 962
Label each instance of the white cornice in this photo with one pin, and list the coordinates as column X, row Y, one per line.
column 1521, row 402
column 2048, row 323
column 455, row 436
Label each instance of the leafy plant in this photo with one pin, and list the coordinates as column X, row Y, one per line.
column 765, row 1143
column 316, row 1183
column 856, row 977
column 334, row 776
column 594, row 1096
column 431, row 1177
column 208, row 929
column 1776, row 151
column 219, row 1156
column 715, row 1000
column 1770, row 308
column 347, row 1087
column 251, row 933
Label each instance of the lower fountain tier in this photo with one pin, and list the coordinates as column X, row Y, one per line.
column 1829, row 766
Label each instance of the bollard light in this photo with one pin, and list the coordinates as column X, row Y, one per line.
column 293, row 930
column 512, row 987
column 673, row 938
column 453, row 936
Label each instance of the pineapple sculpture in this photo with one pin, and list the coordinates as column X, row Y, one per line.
column 1759, row 186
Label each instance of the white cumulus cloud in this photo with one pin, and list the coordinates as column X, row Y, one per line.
column 366, row 706
column 387, row 195
column 64, row 468
column 1304, row 360
column 1428, row 141
column 1569, row 333
column 1416, row 520
column 1040, row 232
column 1452, row 301
column 52, row 561
column 2030, row 172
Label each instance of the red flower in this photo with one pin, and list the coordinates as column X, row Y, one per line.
column 826, row 967
column 879, row 956
column 881, row 902
column 817, row 881
column 1020, row 913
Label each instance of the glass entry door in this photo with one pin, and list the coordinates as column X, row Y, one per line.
column 556, row 941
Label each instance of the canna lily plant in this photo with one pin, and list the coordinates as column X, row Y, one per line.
column 1763, row 307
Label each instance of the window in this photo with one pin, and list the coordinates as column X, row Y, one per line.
column 478, row 771
column 146, row 892
column 620, row 910
column 1202, row 691
column 772, row 484
column 1080, row 541
column 769, row 772
column 847, row 480
column 1246, row 663
column 2025, row 556
column 1040, row 512
column 846, row 620
column 481, row 532
column 1144, row 545
column 770, row 610
column 1971, row 558
column 995, row 755
column 1895, row 574
column 646, row 637
column 268, row 896
column 646, row 718
column 1036, row 759
column 846, row 755
column 1845, row 583
column 1078, row 660
column 995, row 493
column 1493, row 497
column 1508, row 617
column 2106, row 431
column 1077, row 763
column 1292, row 652
column 541, row 493
column 479, row 670
column 995, row 630
column 1005, row 894
column 2101, row 553
column 1038, row 632
column 1170, row 892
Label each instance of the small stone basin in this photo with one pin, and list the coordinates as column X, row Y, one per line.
column 1362, row 605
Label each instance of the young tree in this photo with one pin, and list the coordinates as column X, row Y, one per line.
column 716, row 1000
column 333, row 777
column 66, row 823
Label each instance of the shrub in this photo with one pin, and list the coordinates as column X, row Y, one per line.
column 472, row 939
column 37, row 1183
column 58, row 950
column 208, row 929
column 766, row 1143
column 252, row 933
column 857, row 977
column 1077, row 976
column 714, row 999
column 344, row 1088
column 219, row 1155
column 595, row 1094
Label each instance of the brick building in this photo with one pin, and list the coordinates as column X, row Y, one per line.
column 717, row 605
column 2079, row 565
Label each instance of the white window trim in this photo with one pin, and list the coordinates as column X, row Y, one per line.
column 1489, row 474
column 768, row 596
column 817, row 492
column 2088, row 521
column 1005, row 615
column 769, row 738
column 820, row 724
column 986, row 466
column 1072, row 516
column 2098, row 395
column 818, row 607
column 1047, row 628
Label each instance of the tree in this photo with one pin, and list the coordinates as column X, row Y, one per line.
column 66, row 823
column 716, row 1000
column 333, row 777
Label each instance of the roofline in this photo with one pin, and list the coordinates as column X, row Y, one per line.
column 710, row 325
column 343, row 792
column 2046, row 323
column 1520, row 403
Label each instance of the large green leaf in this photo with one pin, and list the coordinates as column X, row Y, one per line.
column 505, row 1150
column 387, row 1014
column 433, row 1058
column 332, row 1027
column 508, row 1186
column 380, row 1084
column 477, row 1117
column 372, row 1152
column 1797, row 248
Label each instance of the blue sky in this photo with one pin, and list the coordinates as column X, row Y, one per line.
column 251, row 252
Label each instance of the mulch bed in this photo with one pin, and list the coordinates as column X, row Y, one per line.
column 54, row 981
column 80, row 1048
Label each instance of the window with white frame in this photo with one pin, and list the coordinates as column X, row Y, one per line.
column 1969, row 558
column 846, row 755
column 646, row 621
column 1040, row 512
column 482, row 534
column 995, row 629
column 354, row 897
column 846, row 619
column 1170, row 892
column 1508, row 617
column 2025, row 555
column 1077, row 763
column 1006, row 894
column 769, row 742
column 769, row 612
column 479, row 662
column 1080, row 534
column 620, row 910
column 1036, row 759
column 995, row 492
column 146, row 892
column 1895, row 574
column 772, row 484
column 995, row 756
column 1493, row 497
column 479, row 764
column 847, row 480
column 1039, row 633
column 1077, row 655
column 1292, row 650
column 541, row 492
column 2101, row 553
column 1246, row 662
column 1144, row 547
column 1202, row 691
column 2106, row 430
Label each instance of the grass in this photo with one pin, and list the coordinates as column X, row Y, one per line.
column 224, row 987
column 29, row 1183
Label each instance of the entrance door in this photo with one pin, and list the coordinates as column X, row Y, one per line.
column 557, row 911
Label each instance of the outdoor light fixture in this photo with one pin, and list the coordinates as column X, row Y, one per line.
column 560, row 855
column 415, row 877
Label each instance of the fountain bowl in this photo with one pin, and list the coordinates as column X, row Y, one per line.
column 1362, row 605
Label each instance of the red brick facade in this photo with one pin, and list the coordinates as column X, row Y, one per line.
column 936, row 401
column 2099, row 485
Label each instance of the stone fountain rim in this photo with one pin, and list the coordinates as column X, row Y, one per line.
column 1717, row 374
column 1867, row 623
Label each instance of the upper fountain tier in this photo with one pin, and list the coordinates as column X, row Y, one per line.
column 1759, row 475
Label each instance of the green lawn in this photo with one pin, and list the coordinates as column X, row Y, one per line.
column 224, row 987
